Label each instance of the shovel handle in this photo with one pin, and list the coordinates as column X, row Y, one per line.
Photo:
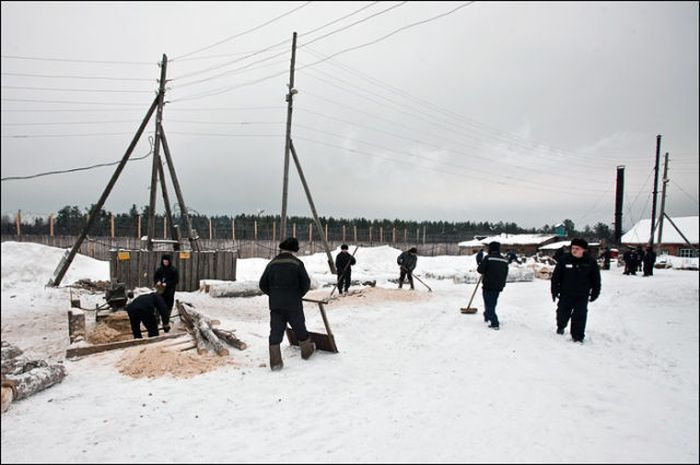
column 475, row 289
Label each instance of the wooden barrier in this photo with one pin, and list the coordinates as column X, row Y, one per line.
column 136, row 268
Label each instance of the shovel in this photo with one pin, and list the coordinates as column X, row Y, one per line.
column 323, row 341
column 469, row 308
column 421, row 281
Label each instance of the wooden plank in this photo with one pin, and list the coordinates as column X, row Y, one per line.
column 211, row 261
column 134, row 270
column 233, row 259
column 227, row 267
column 192, row 282
column 89, row 350
column 113, row 265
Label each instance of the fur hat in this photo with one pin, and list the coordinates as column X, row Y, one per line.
column 167, row 257
column 413, row 250
column 579, row 242
column 291, row 244
column 344, row 247
column 495, row 246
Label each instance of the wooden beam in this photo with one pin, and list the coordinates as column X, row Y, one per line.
column 79, row 351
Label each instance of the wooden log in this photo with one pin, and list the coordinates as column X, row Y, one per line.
column 198, row 316
column 9, row 351
column 89, row 350
column 207, row 332
column 199, row 340
column 230, row 338
column 37, row 379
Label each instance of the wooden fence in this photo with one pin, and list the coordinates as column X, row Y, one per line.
column 137, row 267
column 101, row 247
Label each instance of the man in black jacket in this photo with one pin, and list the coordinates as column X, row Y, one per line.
column 285, row 281
column 494, row 269
column 143, row 310
column 407, row 262
column 575, row 280
column 649, row 260
column 343, row 265
column 166, row 277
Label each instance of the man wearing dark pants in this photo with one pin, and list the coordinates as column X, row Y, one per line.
column 285, row 281
column 494, row 269
column 575, row 280
column 166, row 278
column 407, row 263
column 143, row 310
column 343, row 265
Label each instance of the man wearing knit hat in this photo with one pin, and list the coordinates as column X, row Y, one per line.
column 575, row 281
column 165, row 281
column 285, row 281
column 494, row 269
column 407, row 263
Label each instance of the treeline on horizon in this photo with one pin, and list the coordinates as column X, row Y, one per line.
column 71, row 219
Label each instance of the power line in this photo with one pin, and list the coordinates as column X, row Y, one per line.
column 244, row 32
column 62, row 89
column 66, row 123
column 683, row 190
column 74, row 60
column 403, row 28
column 70, row 101
column 73, row 76
column 84, row 168
column 32, row 136
column 339, row 19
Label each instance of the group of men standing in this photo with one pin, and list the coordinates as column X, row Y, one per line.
column 638, row 260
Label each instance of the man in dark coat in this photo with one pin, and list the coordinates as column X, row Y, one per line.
column 407, row 262
column 640, row 258
column 343, row 266
column 166, row 278
column 649, row 260
column 634, row 262
column 512, row 257
column 285, row 281
column 143, row 309
column 627, row 259
column 606, row 258
column 494, row 269
column 575, row 281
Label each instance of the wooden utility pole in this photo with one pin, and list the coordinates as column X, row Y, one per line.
column 18, row 223
column 233, row 230
column 663, row 199
column 619, row 196
column 51, row 220
column 68, row 258
column 274, row 231
column 294, row 230
column 178, row 193
column 354, row 233
column 255, row 230
column 343, row 233
column 112, row 225
column 370, row 234
column 311, row 233
column 156, row 156
column 211, row 232
column 656, row 190
column 288, row 138
column 324, row 237
column 166, row 201
column 138, row 230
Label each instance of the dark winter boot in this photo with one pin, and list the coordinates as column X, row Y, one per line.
column 560, row 330
column 275, row 357
column 307, row 348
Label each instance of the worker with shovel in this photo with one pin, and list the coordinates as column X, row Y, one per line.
column 494, row 270
column 285, row 281
column 407, row 262
column 343, row 263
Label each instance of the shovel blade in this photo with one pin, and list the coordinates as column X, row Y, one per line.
column 323, row 341
column 468, row 310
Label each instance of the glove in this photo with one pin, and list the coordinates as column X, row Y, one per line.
column 593, row 297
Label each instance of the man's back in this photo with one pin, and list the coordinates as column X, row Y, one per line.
column 285, row 281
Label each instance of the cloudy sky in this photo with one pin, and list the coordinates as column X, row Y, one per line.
column 414, row 110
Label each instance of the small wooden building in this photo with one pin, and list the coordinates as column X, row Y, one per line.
column 523, row 244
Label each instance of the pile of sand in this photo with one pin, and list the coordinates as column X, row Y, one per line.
column 376, row 295
column 157, row 361
column 104, row 334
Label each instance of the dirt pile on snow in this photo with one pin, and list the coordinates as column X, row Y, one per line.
column 158, row 361
column 372, row 295
column 104, row 334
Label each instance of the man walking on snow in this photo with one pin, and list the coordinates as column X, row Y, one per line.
column 494, row 269
column 575, row 281
column 343, row 265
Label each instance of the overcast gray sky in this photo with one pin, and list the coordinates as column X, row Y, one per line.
column 496, row 111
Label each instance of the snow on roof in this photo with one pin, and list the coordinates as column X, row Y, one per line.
column 639, row 234
column 559, row 245
column 510, row 239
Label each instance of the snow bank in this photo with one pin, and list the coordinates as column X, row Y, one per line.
column 34, row 264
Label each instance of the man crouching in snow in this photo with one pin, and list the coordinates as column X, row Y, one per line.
column 575, row 278
column 285, row 281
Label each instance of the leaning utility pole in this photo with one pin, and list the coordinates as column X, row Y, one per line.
column 321, row 231
column 656, row 190
column 663, row 199
column 619, row 196
column 94, row 213
column 156, row 157
column 287, row 140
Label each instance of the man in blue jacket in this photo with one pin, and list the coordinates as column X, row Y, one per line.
column 575, row 281
column 285, row 281
column 494, row 269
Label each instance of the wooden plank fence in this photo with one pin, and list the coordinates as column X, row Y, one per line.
column 136, row 268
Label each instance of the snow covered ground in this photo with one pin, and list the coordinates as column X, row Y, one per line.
column 415, row 380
